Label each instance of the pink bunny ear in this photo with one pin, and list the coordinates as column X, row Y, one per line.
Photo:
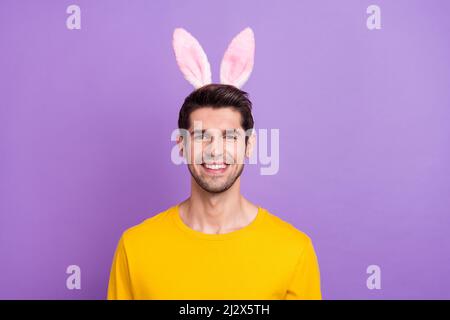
column 191, row 58
column 237, row 62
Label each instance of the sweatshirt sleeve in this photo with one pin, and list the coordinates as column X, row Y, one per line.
column 305, row 282
column 119, row 286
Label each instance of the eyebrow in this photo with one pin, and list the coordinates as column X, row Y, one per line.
column 223, row 131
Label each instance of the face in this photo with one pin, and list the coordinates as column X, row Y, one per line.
column 215, row 148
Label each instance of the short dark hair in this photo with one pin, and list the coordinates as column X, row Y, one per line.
column 217, row 96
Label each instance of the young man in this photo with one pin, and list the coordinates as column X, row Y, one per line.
column 216, row 244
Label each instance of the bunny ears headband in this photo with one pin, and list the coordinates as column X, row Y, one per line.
column 236, row 65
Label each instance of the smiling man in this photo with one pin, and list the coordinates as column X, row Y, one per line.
column 216, row 244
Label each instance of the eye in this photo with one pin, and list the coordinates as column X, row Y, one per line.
column 202, row 136
column 198, row 136
column 231, row 137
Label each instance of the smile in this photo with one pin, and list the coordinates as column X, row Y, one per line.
column 215, row 168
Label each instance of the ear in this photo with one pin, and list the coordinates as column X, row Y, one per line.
column 250, row 144
column 191, row 58
column 237, row 62
column 180, row 143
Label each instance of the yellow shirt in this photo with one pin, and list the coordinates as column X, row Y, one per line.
column 163, row 258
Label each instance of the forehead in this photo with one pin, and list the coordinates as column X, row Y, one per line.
column 216, row 118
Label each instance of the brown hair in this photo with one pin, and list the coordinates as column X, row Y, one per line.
column 217, row 96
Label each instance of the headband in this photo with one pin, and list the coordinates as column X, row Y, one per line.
column 236, row 65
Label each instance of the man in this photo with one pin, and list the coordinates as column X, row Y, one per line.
column 216, row 244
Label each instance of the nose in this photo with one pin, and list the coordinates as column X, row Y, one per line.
column 215, row 149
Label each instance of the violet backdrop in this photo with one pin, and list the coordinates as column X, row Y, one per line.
column 86, row 117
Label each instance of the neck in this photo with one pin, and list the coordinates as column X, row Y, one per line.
column 217, row 212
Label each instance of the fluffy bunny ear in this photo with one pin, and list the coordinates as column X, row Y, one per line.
column 191, row 58
column 237, row 62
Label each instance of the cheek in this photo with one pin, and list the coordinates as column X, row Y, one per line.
column 232, row 148
column 196, row 151
column 235, row 150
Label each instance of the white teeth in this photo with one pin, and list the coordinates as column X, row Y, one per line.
column 215, row 166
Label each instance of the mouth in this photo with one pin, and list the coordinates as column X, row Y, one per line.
column 215, row 168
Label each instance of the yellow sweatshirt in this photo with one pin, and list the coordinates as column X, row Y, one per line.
column 163, row 258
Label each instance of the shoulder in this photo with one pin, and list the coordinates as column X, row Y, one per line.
column 284, row 231
column 151, row 227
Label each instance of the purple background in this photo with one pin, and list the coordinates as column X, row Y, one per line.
column 86, row 117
